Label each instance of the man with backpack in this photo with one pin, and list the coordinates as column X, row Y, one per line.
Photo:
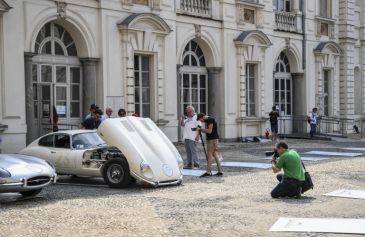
column 274, row 114
column 312, row 120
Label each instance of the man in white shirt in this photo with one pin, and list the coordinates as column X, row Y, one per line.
column 108, row 113
column 313, row 116
column 190, row 137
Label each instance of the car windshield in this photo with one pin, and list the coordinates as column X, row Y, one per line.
column 86, row 140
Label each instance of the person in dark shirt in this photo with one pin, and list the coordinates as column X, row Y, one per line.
column 274, row 114
column 122, row 113
column 94, row 121
column 211, row 131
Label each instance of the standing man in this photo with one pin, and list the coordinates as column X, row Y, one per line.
column 292, row 180
column 190, row 137
column 108, row 113
column 92, row 122
column 312, row 118
column 274, row 114
column 211, row 130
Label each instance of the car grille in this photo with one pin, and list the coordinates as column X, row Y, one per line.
column 38, row 180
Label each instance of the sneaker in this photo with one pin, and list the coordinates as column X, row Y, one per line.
column 196, row 165
column 206, row 174
column 299, row 193
column 219, row 174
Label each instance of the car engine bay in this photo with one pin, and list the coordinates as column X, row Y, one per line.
column 94, row 159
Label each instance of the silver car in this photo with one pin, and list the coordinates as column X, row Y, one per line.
column 25, row 174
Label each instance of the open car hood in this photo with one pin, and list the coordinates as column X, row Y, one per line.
column 142, row 142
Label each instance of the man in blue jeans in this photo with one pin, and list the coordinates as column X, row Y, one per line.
column 292, row 180
column 313, row 116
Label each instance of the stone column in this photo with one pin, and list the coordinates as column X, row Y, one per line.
column 29, row 101
column 295, row 7
column 88, row 83
column 215, row 93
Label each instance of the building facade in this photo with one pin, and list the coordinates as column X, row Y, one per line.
column 232, row 59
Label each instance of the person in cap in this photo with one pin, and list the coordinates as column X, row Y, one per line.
column 92, row 109
column 211, row 131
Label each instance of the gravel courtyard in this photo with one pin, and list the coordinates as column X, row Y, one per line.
column 238, row 204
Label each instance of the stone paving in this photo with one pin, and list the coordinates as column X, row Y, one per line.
column 238, row 204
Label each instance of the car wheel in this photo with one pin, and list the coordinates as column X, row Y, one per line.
column 31, row 192
column 116, row 173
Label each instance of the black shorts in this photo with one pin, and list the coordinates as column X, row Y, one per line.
column 274, row 127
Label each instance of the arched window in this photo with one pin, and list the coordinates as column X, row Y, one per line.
column 193, row 55
column 194, row 81
column 283, row 85
column 56, row 79
column 53, row 39
column 282, row 63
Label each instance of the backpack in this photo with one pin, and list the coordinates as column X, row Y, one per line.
column 309, row 118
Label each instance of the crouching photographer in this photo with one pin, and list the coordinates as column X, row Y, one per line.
column 293, row 178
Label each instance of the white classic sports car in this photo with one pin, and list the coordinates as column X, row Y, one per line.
column 24, row 174
column 135, row 148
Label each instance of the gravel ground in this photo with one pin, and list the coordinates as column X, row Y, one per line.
column 238, row 204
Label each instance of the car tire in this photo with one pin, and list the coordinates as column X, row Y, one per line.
column 116, row 173
column 31, row 192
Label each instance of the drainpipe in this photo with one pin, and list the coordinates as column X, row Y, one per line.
column 304, row 42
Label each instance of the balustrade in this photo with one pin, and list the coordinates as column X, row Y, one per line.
column 286, row 21
column 196, row 7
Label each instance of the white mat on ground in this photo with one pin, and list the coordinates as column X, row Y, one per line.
column 246, row 164
column 347, row 193
column 354, row 148
column 329, row 153
column 325, row 225
column 191, row 172
column 306, row 158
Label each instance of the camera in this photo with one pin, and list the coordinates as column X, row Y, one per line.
column 194, row 129
column 270, row 153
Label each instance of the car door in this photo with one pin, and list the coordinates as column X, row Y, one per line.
column 61, row 153
column 44, row 148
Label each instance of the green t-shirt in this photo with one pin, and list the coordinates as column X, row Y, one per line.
column 291, row 163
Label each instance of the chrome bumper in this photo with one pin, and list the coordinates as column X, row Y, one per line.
column 157, row 183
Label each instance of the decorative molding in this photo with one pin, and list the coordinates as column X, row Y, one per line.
column 198, row 31
column 4, row 7
column 61, row 9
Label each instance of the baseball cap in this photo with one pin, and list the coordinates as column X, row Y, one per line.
column 93, row 106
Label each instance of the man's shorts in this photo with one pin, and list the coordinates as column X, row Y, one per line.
column 212, row 145
column 274, row 127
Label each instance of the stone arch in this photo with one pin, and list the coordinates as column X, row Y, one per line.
column 293, row 56
column 143, row 21
column 328, row 47
column 207, row 45
column 253, row 37
column 75, row 25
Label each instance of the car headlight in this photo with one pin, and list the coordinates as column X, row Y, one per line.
column 144, row 166
column 4, row 173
